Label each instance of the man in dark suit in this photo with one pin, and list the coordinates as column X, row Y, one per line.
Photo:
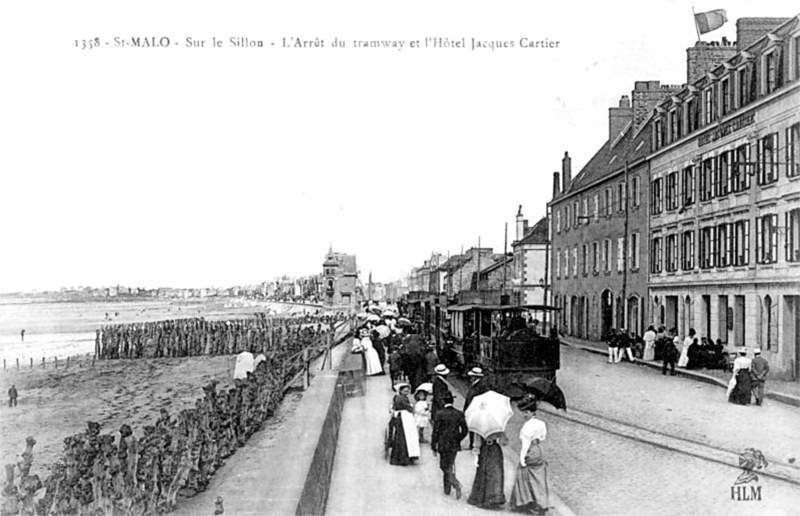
column 440, row 389
column 449, row 429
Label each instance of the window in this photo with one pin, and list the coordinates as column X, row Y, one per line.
column 596, row 206
column 607, row 255
column 793, row 151
column 770, row 72
column 635, row 191
column 595, row 257
column 566, row 217
column 558, row 263
column 708, row 103
column 692, row 114
column 672, row 191
column 672, row 253
column 708, row 247
column 575, row 261
column 609, row 206
column 767, row 239
column 633, row 251
column 688, row 185
column 558, row 221
column 767, row 159
column 741, row 242
column 655, row 255
column 725, row 96
column 673, row 125
column 620, row 254
column 586, row 208
column 621, row 200
column 723, row 182
column 740, row 177
column 687, row 250
column 707, row 173
column 575, row 214
column 566, row 263
column 656, row 197
column 741, row 82
column 796, row 46
column 793, row 235
column 724, row 246
column 585, row 256
column 657, row 134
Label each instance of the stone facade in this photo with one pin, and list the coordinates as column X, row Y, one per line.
column 339, row 280
column 725, row 232
column 530, row 262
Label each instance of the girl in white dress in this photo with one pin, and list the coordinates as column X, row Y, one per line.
column 373, row 361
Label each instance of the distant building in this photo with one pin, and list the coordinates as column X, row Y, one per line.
column 340, row 279
column 529, row 278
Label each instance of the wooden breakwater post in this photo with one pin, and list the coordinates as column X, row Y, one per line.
column 17, row 364
column 55, row 359
column 43, row 363
column 31, row 362
column 307, row 370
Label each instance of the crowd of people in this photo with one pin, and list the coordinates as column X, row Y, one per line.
column 424, row 400
column 199, row 336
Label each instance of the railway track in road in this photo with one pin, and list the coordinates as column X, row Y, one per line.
column 708, row 452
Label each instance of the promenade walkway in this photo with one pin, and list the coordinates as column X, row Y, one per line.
column 365, row 483
column 778, row 390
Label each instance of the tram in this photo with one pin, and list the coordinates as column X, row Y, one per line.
column 514, row 343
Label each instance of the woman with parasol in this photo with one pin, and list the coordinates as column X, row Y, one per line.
column 487, row 416
column 531, row 490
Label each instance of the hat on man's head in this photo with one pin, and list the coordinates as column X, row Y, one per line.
column 441, row 369
column 475, row 371
column 742, row 351
column 757, row 351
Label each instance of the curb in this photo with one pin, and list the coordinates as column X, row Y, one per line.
column 777, row 396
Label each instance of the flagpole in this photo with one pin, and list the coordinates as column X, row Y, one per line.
column 694, row 17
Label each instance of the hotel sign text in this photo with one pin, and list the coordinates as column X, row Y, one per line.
column 726, row 129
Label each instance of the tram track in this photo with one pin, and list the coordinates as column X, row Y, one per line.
column 704, row 451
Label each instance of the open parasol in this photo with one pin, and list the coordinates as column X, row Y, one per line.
column 373, row 317
column 547, row 391
column 403, row 322
column 488, row 413
column 383, row 331
column 388, row 313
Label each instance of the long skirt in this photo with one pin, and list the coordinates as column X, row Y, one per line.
column 373, row 364
column 649, row 351
column 487, row 488
column 740, row 394
column 530, row 484
column 403, row 439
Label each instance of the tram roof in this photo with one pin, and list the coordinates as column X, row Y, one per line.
column 509, row 308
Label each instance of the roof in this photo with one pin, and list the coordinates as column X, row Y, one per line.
column 631, row 146
column 537, row 234
column 496, row 265
column 513, row 308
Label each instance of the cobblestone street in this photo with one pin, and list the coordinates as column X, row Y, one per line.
column 596, row 472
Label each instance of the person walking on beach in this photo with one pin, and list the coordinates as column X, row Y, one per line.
column 12, row 396
column 759, row 368
column 449, row 430
column 22, row 335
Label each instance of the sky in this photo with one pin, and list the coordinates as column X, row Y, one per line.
column 197, row 167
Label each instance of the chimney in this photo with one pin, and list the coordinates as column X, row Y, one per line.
column 520, row 225
column 556, row 184
column 619, row 117
column 566, row 172
column 646, row 96
column 705, row 56
column 750, row 30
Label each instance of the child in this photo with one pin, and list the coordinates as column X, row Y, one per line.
column 422, row 413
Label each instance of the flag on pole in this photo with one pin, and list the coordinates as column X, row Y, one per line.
column 711, row 20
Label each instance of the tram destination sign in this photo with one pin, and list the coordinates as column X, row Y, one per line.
column 726, row 129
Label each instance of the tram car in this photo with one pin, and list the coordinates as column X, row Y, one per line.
column 514, row 343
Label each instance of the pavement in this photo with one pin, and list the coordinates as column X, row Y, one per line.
column 365, row 483
column 779, row 390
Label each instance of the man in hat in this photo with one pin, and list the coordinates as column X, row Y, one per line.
column 449, row 429
column 478, row 386
column 759, row 368
column 440, row 390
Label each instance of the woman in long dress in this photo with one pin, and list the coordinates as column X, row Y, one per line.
column 403, row 438
column 649, row 344
column 742, row 390
column 531, row 491
column 373, row 364
column 683, row 361
column 487, row 488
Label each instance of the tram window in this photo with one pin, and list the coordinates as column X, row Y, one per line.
column 486, row 324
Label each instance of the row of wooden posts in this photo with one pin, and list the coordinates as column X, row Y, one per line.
column 44, row 363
